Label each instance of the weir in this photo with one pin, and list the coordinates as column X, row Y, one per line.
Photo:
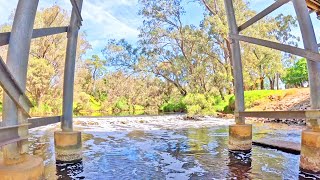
column 16, row 164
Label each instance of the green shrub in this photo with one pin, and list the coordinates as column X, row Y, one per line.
column 194, row 109
column 138, row 108
column 121, row 105
column 199, row 104
column 41, row 110
column 222, row 105
column 173, row 105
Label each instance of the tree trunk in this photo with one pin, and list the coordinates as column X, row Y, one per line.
column 261, row 83
column 221, row 94
column 277, row 79
column 272, row 81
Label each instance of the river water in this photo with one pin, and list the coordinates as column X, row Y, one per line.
column 167, row 147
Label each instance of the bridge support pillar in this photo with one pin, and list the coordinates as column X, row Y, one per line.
column 240, row 137
column 68, row 146
column 310, row 142
column 240, row 134
column 310, row 151
column 30, row 168
column 68, row 142
column 16, row 164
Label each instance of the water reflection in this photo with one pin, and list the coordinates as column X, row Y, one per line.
column 146, row 149
column 305, row 175
column 199, row 140
column 239, row 165
column 69, row 170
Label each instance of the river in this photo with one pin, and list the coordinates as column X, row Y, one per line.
column 167, row 147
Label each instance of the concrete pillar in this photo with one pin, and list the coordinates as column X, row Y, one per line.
column 239, row 138
column 67, row 146
column 31, row 168
column 310, row 152
column 16, row 164
column 310, row 146
column 68, row 142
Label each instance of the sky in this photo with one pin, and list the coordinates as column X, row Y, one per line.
column 116, row 19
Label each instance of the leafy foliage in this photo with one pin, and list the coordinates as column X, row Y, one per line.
column 173, row 67
column 297, row 75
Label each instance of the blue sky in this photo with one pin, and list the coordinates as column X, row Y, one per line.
column 106, row 19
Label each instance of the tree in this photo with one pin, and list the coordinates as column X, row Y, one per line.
column 46, row 62
column 39, row 79
column 297, row 75
column 183, row 55
column 53, row 48
column 216, row 25
column 97, row 68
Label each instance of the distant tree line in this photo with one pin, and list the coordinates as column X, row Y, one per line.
column 173, row 66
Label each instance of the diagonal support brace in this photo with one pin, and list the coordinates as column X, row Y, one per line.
column 310, row 55
column 11, row 87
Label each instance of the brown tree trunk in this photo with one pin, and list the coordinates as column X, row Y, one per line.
column 261, row 83
column 271, row 83
column 277, row 79
column 221, row 94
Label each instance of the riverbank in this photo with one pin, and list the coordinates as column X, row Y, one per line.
column 277, row 100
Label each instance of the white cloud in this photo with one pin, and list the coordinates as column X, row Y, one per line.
column 105, row 20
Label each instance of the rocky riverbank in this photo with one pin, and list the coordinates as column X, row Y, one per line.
column 294, row 99
column 297, row 99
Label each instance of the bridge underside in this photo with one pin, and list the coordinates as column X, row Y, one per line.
column 314, row 5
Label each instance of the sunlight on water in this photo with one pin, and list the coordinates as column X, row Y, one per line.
column 166, row 147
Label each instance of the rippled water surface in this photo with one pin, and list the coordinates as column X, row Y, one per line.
column 166, row 147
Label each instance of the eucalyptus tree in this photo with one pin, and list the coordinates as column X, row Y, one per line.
column 47, row 56
column 262, row 62
column 259, row 62
column 216, row 25
column 97, row 68
column 53, row 48
column 183, row 55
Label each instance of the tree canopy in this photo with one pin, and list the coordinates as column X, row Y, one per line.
column 174, row 65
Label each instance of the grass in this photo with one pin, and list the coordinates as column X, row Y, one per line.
column 222, row 105
column 227, row 105
column 252, row 98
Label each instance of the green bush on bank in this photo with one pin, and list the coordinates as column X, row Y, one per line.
column 192, row 103
column 199, row 104
column 174, row 105
column 251, row 98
